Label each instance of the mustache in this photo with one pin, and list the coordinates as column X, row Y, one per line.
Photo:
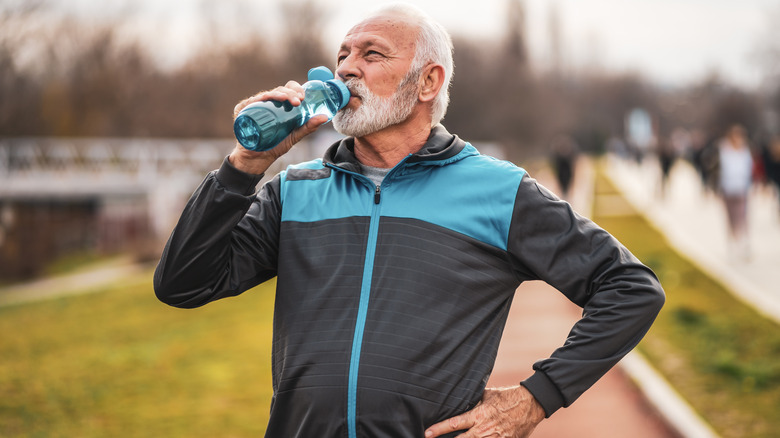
column 356, row 87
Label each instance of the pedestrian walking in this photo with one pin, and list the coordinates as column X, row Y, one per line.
column 735, row 179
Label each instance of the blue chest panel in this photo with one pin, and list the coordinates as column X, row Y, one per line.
column 473, row 196
column 309, row 197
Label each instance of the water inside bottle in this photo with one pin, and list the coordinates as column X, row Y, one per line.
column 320, row 99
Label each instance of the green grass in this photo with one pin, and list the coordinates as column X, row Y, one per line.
column 720, row 354
column 72, row 262
column 120, row 363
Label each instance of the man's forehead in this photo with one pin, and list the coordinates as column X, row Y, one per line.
column 367, row 40
column 387, row 31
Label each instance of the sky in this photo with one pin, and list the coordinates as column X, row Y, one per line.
column 672, row 42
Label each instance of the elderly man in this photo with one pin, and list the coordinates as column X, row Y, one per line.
column 397, row 257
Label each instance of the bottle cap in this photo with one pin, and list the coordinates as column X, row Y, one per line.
column 320, row 73
column 343, row 91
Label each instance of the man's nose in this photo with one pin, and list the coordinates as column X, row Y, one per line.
column 347, row 69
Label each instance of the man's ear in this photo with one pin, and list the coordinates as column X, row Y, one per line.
column 431, row 81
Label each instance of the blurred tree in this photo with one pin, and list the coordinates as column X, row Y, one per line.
column 734, row 106
column 242, row 71
column 555, row 36
column 63, row 77
column 767, row 53
column 519, row 112
column 472, row 113
column 768, row 59
column 93, row 84
column 19, row 92
column 515, row 38
column 602, row 103
column 304, row 21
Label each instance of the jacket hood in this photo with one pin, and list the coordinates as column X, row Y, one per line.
column 440, row 149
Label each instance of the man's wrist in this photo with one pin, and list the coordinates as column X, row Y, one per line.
column 250, row 162
column 545, row 392
column 536, row 411
column 235, row 180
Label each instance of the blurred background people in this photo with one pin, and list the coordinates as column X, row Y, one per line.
column 666, row 156
column 734, row 182
column 771, row 156
column 564, row 160
column 705, row 159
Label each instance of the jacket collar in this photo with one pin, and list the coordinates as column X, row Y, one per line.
column 440, row 148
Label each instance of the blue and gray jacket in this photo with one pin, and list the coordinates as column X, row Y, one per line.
column 391, row 300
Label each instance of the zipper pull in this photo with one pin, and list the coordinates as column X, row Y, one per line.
column 376, row 195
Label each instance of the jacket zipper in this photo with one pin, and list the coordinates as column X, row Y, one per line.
column 365, row 295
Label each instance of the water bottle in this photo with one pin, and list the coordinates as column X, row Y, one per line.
column 263, row 125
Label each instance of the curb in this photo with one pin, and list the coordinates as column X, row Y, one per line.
column 659, row 393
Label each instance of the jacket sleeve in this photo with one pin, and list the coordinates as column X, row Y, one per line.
column 225, row 242
column 620, row 296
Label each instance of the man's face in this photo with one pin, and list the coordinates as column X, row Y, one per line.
column 374, row 60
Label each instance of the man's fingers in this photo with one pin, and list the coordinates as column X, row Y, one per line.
column 291, row 92
column 296, row 87
column 297, row 134
column 501, row 412
column 310, row 126
column 292, row 95
column 454, row 424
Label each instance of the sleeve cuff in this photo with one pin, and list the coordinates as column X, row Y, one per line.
column 237, row 181
column 545, row 392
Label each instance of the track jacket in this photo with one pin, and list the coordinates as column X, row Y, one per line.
column 391, row 300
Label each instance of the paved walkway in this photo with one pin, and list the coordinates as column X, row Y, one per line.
column 539, row 322
column 91, row 279
column 614, row 407
column 695, row 223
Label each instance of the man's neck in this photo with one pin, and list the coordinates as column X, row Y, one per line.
column 388, row 147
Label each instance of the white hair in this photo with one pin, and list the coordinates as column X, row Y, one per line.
column 433, row 45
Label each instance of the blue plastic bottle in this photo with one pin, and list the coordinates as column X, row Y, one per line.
column 263, row 125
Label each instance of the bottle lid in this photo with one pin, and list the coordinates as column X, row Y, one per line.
column 325, row 75
column 320, row 73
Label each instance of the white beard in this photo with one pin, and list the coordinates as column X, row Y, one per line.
column 376, row 113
